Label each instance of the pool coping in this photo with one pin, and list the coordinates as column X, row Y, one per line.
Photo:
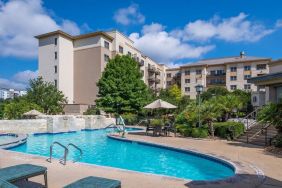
column 18, row 139
column 232, row 179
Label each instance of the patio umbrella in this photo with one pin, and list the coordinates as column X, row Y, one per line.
column 32, row 113
column 157, row 104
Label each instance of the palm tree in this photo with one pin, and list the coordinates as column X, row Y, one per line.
column 229, row 103
column 210, row 111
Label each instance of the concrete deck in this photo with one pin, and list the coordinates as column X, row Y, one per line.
column 251, row 160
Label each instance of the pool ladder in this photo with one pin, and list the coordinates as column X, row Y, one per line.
column 66, row 152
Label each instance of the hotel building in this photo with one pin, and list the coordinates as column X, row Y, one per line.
column 75, row 63
column 229, row 72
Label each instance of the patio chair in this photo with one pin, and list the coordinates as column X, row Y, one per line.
column 149, row 127
column 22, row 172
column 95, row 182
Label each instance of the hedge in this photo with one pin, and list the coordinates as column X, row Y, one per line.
column 228, row 130
column 130, row 119
column 184, row 130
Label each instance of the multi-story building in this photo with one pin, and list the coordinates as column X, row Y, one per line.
column 229, row 72
column 75, row 63
column 11, row 93
column 173, row 76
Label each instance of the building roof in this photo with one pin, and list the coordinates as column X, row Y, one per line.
column 59, row 32
column 268, row 77
column 225, row 60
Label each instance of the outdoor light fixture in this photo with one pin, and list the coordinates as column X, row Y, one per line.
column 199, row 90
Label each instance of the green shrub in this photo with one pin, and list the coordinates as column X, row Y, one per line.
column 278, row 141
column 199, row 133
column 130, row 119
column 92, row 111
column 187, row 131
column 229, row 130
column 156, row 122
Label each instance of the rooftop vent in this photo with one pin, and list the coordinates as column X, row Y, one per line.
column 242, row 54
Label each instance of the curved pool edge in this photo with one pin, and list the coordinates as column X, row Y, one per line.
column 230, row 164
column 18, row 140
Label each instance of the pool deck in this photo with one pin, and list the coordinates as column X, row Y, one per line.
column 257, row 168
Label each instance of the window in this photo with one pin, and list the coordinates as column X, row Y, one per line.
column 261, row 66
column 168, row 83
column 233, row 87
column 187, row 89
column 233, row 69
column 56, row 41
column 198, row 71
column 106, row 58
column 55, row 68
column 168, row 75
column 187, row 72
column 233, row 78
column 56, row 55
column 129, row 53
column 247, row 86
column 107, row 44
column 55, row 83
column 213, row 72
column 247, row 68
column 247, row 76
column 187, row 81
column 120, row 49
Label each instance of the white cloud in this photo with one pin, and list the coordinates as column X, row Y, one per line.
column 163, row 47
column 20, row 21
column 25, row 76
column 18, row 81
column 233, row 29
column 278, row 23
column 129, row 15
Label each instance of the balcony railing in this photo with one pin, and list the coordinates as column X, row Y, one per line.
column 158, row 72
column 157, row 80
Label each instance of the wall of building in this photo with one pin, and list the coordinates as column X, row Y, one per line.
column 65, row 68
column 46, row 58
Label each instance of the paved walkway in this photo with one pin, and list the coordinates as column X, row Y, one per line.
column 250, row 159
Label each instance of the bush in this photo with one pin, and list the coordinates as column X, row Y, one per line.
column 130, row 119
column 278, row 141
column 92, row 111
column 187, row 131
column 156, row 122
column 229, row 130
column 199, row 133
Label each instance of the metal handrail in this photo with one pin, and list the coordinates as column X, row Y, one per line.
column 66, row 151
column 76, row 147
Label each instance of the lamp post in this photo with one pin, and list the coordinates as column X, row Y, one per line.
column 199, row 90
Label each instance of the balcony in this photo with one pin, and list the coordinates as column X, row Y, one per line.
column 141, row 63
column 151, row 79
column 216, row 74
column 158, row 72
column 151, row 68
column 157, row 80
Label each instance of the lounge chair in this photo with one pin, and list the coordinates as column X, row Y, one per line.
column 22, row 172
column 4, row 184
column 95, row 182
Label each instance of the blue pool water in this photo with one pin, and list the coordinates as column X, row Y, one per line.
column 100, row 150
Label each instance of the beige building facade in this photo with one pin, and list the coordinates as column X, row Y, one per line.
column 230, row 72
column 75, row 63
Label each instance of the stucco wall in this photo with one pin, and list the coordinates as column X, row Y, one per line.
column 23, row 126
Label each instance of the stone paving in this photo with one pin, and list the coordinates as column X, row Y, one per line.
column 257, row 168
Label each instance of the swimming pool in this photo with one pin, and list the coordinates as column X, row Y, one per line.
column 100, row 150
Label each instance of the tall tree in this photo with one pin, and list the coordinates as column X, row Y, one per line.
column 214, row 92
column 121, row 88
column 46, row 95
column 230, row 103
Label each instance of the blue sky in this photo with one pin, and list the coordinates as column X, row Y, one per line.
column 171, row 32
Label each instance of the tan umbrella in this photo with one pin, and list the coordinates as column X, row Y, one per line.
column 33, row 113
column 157, row 104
